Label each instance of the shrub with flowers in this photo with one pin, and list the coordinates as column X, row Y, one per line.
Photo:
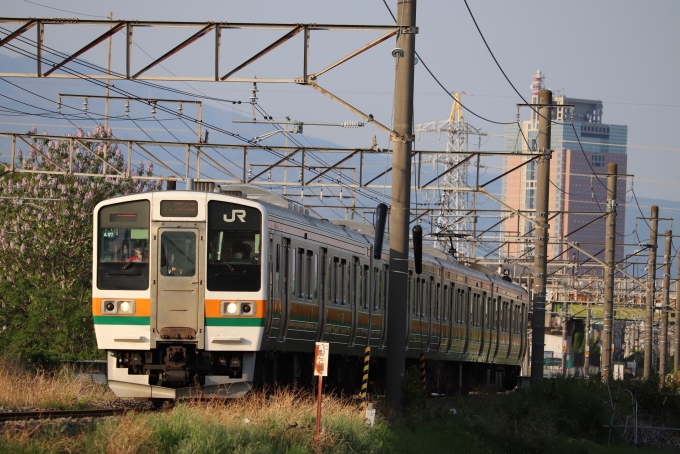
column 46, row 243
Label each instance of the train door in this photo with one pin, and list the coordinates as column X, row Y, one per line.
column 285, row 288
column 178, row 296
column 437, row 324
column 273, row 289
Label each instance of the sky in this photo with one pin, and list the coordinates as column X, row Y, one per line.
column 619, row 51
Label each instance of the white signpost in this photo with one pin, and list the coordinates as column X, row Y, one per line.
column 321, row 354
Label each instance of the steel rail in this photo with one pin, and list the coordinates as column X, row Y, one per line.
column 55, row 414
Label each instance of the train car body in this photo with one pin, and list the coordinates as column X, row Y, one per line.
column 202, row 293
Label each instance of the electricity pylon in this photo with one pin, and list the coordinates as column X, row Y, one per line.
column 454, row 204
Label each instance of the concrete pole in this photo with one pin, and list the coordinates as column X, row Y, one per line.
column 541, row 246
column 677, row 321
column 587, row 347
column 651, row 290
column 565, row 347
column 400, row 210
column 609, row 271
column 108, row 81
column 663, row 336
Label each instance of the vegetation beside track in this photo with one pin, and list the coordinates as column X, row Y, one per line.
column 563, row 416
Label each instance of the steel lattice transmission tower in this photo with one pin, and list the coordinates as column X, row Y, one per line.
column 454, row 204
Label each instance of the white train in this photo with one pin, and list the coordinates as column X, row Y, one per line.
column 211, row 293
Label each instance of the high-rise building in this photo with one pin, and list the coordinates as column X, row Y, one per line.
column 578, row 181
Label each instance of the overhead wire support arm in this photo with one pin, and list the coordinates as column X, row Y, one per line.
column 176, row 49
column 349, row 56
column 27, row 26
column 369, row 118
column 115, row 29
column 265, row 51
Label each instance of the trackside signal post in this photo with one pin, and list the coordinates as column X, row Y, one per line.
column 541, row 246
column 401, row 201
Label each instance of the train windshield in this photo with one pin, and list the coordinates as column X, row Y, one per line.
column 234, row 247
column 123, row 251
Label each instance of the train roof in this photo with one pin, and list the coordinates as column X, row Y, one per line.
column 359, row 233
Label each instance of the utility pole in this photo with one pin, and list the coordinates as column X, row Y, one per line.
column 651, row 290
column 108, row 81
column 663, row 336
column 587, row 347
column 609, row 270
column 677, row 321
column 401, row 203
column 564, row 332
column 542, row 229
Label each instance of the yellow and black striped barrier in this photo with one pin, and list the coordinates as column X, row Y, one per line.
column 364, row 380
column 422, row 371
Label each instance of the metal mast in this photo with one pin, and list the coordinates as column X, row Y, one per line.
column 454, row 203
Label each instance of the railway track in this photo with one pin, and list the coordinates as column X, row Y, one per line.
column 54, row 414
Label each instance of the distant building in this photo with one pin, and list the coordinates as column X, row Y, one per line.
column 573, row 186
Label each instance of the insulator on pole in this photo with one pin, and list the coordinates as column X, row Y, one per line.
column 351, row 124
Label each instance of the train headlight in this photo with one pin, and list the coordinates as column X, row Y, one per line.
column 232, row 308
column 125, row 306
column 248, row 308
column 110, row 306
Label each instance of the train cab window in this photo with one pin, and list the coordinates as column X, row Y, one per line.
column 123, row 246
column 234, row 247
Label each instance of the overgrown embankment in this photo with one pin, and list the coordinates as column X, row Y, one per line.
column 563, row 416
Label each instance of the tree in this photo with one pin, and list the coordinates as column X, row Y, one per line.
column 46, row 244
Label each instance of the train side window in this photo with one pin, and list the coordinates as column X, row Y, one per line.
column 409, row 296
column 344, row 281
column 376, row 285
column 416, row 294
column 335, row 267
column 352, row 294
column 445, row 300
column 321, row 287
column 300, row 272
column 277, row 272
column 471, row 309
column 293, row 275
column 310, row 277
column 314, row 290
column 383, row 301
column 437, row 306
column 367, row 294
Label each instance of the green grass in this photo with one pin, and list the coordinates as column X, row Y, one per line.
column 562, row 416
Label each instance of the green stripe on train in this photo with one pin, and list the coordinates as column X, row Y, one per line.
column 234, row 321
column 121, row 320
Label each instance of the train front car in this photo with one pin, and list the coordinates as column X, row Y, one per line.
column 178, row 294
